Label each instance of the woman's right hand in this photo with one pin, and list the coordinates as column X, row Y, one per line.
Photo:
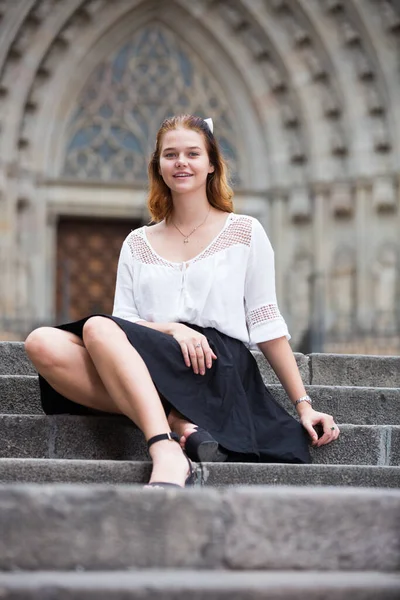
column 195, row 348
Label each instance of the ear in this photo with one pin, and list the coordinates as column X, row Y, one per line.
column 211, row 169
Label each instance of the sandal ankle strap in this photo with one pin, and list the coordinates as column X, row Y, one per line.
column 173, row 437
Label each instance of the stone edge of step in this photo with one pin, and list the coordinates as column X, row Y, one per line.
column 21, row 470
column 273, row 385
column 314, row 367
column 240, row 528
column 195, row 580
column 19, row 394
column 45, row 494
column 37, row 436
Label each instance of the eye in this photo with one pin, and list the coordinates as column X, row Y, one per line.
column 168, row 154
column 194, row 153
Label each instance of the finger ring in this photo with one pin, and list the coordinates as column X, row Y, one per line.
column 198, row 346
column 333, row 428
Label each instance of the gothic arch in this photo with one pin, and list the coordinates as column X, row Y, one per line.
column 135, row 116
column 51, row 116
column 56, row 31
column 362, row 82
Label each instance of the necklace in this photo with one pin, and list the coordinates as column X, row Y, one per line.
column 186, row 240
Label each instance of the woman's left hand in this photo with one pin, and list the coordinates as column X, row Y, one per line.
column 309, row 418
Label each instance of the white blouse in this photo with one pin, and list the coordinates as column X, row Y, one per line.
column 230, row 285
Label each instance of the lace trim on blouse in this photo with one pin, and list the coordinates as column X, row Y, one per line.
column 260, row 315
column 142, row 252
column 237, row 232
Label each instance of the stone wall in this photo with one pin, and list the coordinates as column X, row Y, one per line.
column 306, row 94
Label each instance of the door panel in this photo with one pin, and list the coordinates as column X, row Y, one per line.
column 87, row 258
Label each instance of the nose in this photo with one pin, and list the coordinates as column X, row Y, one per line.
column 181, row 161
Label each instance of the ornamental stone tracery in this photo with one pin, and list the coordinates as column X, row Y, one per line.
column 112, row 131
column 311, row 53
column 365, row 70
column 245, row 27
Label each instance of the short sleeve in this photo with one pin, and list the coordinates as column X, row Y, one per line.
column 264, row 321
column 124, row 300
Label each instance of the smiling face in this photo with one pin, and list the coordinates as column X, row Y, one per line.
column 184, row 161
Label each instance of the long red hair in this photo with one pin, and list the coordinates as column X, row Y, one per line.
column 219, row 193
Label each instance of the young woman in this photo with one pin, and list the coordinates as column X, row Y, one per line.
column 195, row 293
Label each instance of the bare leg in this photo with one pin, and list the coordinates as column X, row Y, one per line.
column 62, row 359
column 123, row 378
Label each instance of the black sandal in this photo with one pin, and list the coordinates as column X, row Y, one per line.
column 200, row 446
column 190, row 480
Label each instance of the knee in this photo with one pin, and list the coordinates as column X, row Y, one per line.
column 40, row 346
column 98, row 329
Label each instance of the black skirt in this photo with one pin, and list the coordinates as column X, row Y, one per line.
column 230, row 400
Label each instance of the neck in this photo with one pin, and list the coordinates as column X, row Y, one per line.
column 189, row 209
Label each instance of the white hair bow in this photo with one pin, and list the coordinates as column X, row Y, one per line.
column 210, row 124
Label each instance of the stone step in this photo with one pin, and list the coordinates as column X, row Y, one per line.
column 96, row 527
column 354, row 369
column 37, row 470
column 316, row 369
column 14, row 360
column 154, row 584
column 116, row 438
column 19, row 394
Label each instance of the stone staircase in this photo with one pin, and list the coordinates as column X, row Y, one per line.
column 73, row 527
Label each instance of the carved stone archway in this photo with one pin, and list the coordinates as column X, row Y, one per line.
column 313, row 96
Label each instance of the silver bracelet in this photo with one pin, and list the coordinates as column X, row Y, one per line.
column 304, row 399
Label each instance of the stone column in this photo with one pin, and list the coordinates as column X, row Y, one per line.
column 43, row 268
column 278, row 233
column 4, row 226
column 362, row 217
column 50, row 281
column 321, row 237
column 8, row 249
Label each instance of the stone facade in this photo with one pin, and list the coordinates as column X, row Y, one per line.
column 305, row 95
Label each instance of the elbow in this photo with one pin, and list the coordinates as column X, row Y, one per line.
column 271, row 345
column 274, row 341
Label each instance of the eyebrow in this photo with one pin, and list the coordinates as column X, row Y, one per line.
column 189, row 148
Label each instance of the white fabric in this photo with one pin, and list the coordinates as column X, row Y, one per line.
column 229, row 286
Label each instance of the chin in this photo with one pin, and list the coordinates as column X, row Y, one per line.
column 182, row 187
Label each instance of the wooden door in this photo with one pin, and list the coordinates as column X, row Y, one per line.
column 87, row 258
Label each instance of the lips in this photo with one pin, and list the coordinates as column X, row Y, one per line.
column 182, row 175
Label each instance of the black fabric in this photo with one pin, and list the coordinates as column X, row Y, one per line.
column 230, row 400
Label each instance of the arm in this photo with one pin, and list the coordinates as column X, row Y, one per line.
column 268, row 330
column 163, row 327
column 124, row 300
column 281, row 358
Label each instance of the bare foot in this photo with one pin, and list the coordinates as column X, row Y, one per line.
column 169, row 463
column 181, row 426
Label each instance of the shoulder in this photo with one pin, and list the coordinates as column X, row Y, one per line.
column 255, row 232
column 239, row 230
column 155, row 228
column 247, row 225
column 245, row 220
column 134, row 234
column 239, row 220
column 133, row 241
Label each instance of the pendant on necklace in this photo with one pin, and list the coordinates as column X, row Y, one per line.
column 186, row 241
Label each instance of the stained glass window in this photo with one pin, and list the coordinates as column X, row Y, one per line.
column 154, row 75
